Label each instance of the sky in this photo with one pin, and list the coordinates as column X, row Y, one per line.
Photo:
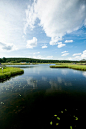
column 43, row 29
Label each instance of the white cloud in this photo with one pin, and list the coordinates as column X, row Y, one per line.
column 68, row 41
column 77, row 57
column 84, row 54
column 57, row 17
column 44, row 46
column 49, row 57
column 11, row 23
column 36, row 53
column 65, row 54
column 64, row 51
column 54, row 40
column 32, row 43
column 76, row 54
column 43, row 57
column 7, row 47
column 60, row 45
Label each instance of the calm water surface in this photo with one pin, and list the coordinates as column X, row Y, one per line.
column 39, row 79
column 44, row 77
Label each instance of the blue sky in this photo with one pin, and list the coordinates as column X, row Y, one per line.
column 43, row 29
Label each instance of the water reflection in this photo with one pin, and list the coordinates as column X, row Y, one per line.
column 27, row 95
column 64, row 71
column 68, row 84
column 84, row 74
column 44, row 78
column 54, row 85
column 32, row 82
column 59, row 79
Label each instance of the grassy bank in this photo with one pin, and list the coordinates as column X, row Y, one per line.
column 9, row 71
column 72, row 66
column 15, row 63
column 24, row 63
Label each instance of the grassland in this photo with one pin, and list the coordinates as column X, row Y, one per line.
column 24, row 63
column 15, row 63
column 9, row 71
column 70, row 65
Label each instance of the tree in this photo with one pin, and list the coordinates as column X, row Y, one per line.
column 4, row 59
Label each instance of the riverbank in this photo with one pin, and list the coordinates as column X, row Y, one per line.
column 16, row 63
column 72, row 66
column 8, row 72
column 25, row 63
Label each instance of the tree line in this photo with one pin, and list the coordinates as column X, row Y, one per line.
column 32, row 60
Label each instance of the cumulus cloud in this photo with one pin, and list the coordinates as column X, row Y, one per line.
column 76, row 54
column 43, row 57
column 7, row 47
column 11, row 23
column 64, row 51
column 54, row 40
column 68, row 41
column 60, row 45
column 32, row 43
column 65, row 54
column 49, row 57
column 44, row 46
column 36, row 53
column 84, row 54
column 57, row 17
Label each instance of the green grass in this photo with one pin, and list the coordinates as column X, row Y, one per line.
column 15, row 63
column 72, row 66
column 9, row 71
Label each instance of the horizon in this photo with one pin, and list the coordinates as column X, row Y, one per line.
column 43, row 29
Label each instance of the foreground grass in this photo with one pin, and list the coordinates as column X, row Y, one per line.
column 72, row 66
column 9, row 71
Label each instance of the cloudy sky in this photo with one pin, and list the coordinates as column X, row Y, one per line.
column 43, row 29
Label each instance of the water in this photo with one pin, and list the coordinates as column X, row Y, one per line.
column 41, row 92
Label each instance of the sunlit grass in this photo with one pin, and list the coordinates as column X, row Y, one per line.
column 9, row 71
column 15, row 63
column 73, row 66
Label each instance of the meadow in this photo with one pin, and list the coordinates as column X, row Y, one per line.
column 7, row 72
column 15, row 63
column 70, row 65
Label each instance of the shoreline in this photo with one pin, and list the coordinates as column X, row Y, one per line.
column 76, row 67
column 9, row 72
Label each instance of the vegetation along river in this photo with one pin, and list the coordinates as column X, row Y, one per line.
column 45, row 98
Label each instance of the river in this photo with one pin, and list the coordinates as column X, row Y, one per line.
column 42, row 91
